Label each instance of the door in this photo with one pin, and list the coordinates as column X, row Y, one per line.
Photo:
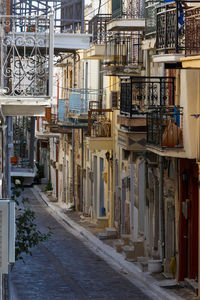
column 188, row 226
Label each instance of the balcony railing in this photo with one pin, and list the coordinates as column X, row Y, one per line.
column 127, row 9
column 97, row 26
column 164, row 127
column 99, row 124
column 150, row 17
column 140, row 93
column 170, row 31
column 123, row 50
column 192, row 31
column 25, row 57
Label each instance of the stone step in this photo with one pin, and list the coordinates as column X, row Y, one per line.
column 128, row 252
column 102, row 236
column 118, row 245
column 133, row 251
column 191, row 284
column 111, row 232
column 126, row 239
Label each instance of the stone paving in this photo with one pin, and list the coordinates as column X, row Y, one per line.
column 64, row 268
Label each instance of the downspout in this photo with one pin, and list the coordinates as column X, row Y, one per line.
column 9, row 141
column 32, row 142
column 161, row 204
column 73, row 171
column 73, row 142
column 161, row 200
column 82, row 166
column 58, row 91
column 57, row 150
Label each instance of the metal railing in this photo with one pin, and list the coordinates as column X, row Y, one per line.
column 97, row 26
column 140, row 93
column 192, row 31
column 165, row 127
column 150, row 18
column 127, row 9
column 99, row 125
column 170, row 28
column 26, row 55
column 123, row 50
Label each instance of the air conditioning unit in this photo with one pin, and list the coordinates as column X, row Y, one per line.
column 7, row 234
column 114, row 99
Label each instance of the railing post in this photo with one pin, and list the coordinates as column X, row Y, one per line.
column 166, row 41
column 51, row 51
column 176, row 28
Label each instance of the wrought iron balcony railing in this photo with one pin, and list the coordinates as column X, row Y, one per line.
column 170, row 29
column 97, row 26
column 164, row 127
column 127, row 9
column 123, row 50
column 26, row 58
column 99, row 124
column 150, row 17
column 192, row 31
column 140, row 93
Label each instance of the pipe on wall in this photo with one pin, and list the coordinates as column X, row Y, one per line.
column 161, row 206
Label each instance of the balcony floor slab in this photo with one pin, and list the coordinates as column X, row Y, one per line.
column 170, row 152
column 126, row 25
column 24, row 106
column 168, row 58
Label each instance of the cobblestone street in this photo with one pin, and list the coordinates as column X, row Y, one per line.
column 64, row 268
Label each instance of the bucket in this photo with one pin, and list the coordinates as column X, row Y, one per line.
column 154, row 266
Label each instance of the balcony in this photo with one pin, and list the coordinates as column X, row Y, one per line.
column 165, row 128
column 138, row 93
column 170, row 33
column 97, row 27
column 99, row 130
column 127, row 15
column 123, row 54
column 28, row 44
column 26, row 62
column 192, row 40
column 73, row 111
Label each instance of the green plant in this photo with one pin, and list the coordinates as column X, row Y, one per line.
column 27, row 233
column 49, row 186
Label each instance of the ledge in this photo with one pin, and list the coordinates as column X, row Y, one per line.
column 126, row 25
column 192, row 62
column 168, row 58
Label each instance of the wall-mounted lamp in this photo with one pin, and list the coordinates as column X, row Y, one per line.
column 107, row 155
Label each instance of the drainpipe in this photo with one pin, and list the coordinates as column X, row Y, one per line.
column 82, row 165
column 161, row 204
column 58, row 91
column 82, row 15
column 9, row 122
column 32, row 142
column 73, row 140
column 73, row 171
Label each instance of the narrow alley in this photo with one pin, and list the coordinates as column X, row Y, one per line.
column 64, row 268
